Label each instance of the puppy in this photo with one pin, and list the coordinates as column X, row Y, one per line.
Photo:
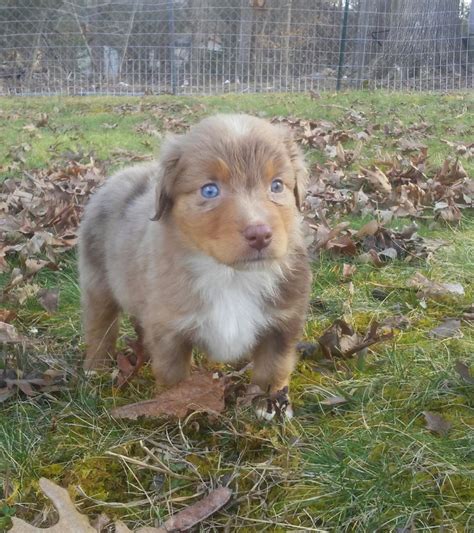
column 203, row 248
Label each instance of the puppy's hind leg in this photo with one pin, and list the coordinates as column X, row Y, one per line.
column 101, row 324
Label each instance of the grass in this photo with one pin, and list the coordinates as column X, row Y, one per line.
column 367, row 465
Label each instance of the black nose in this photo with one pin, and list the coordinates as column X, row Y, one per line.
column 258, row 236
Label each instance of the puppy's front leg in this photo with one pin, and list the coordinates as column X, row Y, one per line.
column 274, row 360
column 170, row 355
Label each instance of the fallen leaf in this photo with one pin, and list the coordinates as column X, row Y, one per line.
column 370, row 228
column 467, row 315
column 7, row 315
column 333, row 401
column 450, row 328
column 463, row 370
column 72, row 521
column 199, row 511
column 434, row 289
column 30, row 384
column 340, row 340
column 8, row 333
column 348, row 270
column 32, row 266
column 377, row 179
column 200, row 392
column 436, row 423
column 49, row 299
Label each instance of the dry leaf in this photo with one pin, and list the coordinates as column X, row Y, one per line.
column 434, row 289
column 378, row 180
column 8, row 333
column 370, row 228
column 348, row 270
column 463, row 370
column 450, row 328
column 32, row 266
column 436, row 423
column 340, row 340
column 30, row 384
column 49, row 299
column 72, row 521
column 199, row 511
column 7, row 315
column 200, row 392
column 334, row 401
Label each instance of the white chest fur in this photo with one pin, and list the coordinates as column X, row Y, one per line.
column 233, row 307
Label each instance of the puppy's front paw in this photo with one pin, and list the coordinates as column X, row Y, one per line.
column 278, row 403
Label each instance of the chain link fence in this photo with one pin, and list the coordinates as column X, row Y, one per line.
column 217, row 46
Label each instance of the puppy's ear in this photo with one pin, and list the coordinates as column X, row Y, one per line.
column 169, row 163
column 299, row 168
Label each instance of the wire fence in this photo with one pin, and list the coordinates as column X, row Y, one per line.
column 217, row 46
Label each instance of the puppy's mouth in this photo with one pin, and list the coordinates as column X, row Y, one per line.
column 258, row 260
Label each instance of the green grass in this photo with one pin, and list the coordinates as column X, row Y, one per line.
column 368, row 465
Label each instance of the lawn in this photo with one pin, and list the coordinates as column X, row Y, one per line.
column 368, row 462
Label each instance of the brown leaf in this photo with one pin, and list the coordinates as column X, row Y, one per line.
column 340, row 340
column 463, row 370
column 409, row 145
column 450, row 328
column 200, row 392
column 378, row 180
column 447, row 211
column 199, row 511
column 23, row 385
column 333, row 401
column 371, row 257
column 7, row 315
column 370, row 228
column 8, row 333
column 348, row 270
column 49, row 299
column 436, row 423
column 32, row 266
column 70, row 519
column 435, row 289
column 451, row 172
column 6, row 393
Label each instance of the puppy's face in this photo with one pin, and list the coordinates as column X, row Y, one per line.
column 231, row 187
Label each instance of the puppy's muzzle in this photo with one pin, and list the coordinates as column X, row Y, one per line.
column 258, row 236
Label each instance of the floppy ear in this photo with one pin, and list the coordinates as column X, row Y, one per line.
column 299, row 168
column 169, row 163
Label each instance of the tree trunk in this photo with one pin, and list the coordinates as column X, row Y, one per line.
column 245, row 41
column 373, row 20
column 471, row 36
column 424, row 36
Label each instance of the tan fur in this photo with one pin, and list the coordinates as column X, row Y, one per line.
column 152, row 246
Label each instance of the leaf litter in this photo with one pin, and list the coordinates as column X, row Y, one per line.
column 72, row 521
column 31, row 384
column 202, row 391
column 436, row 423
column 43, row 209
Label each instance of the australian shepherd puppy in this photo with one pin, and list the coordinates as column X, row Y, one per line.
column 203, row 248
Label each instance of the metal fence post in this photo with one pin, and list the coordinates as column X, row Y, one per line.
column 172, row 55
column 342, row 45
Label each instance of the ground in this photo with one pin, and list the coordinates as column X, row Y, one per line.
column 369, row 463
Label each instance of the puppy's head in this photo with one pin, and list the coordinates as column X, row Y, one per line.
column 232, row 187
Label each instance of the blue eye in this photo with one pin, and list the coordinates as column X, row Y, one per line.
column 210, row 190
column 277, row 186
